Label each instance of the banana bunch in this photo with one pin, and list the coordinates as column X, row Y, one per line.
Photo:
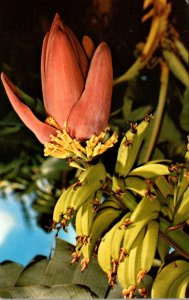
column 172, row 281
column 72, row 198
column 95, row 224
column 128, row 249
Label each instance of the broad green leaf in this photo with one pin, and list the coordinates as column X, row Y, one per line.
column 63, row 291
column 33, row 273
column 9, row 273
column 59, row 270
column 93, row 277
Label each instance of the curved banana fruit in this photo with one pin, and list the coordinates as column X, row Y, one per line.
column 135, row 258
column 105, row 256
column 148, row 248
column 117, row 241
column 146, row 211
column 179, row 286
column 182, row 213
column 167, row 277
column 102, row 221
column 130, row 146
column 182, row 185
column 89, row 181
column 136, row 184
column 150, row 170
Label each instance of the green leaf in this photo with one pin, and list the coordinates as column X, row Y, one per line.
column 33, row 273
column 9, row 273
column 63, row 291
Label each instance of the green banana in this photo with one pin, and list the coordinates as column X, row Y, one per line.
column 117, row 185
column 182, row 212
column 182, row 289
column 93, row 173
column 102, row 221
column 130, row 146
column 177, row 238
column 123, row 278
column 105, row 256
column 163, row 248
column 58, row 210
column 136, row 184
column 167, row 277
column 128, row 200
column 118, row 239
column 135, row 256
column 181, row 186
column 110, row 203
column 164, row 186
column 145, row 211
column 124, row 153
column 179, row 286
column 89, row 181
column 149, row 247
column 87, row 217
column 150, row 170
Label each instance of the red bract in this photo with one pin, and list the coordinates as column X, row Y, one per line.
column 73, row 92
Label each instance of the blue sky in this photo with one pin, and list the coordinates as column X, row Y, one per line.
column 20, row 241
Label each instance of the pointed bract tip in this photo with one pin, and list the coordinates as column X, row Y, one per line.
column 40, row 129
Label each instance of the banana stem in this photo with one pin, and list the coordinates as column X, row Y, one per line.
column 160, row 108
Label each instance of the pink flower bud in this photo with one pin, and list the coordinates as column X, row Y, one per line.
column 90, row 114
column 72, row 93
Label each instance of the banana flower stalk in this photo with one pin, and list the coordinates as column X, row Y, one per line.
column 77, row 90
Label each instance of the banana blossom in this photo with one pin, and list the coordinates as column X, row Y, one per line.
column 76, row 93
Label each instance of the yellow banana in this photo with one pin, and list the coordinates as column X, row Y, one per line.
column 179, row 286
column 105, row 256
column 136, row 184
column 102, row 221
column 181, row 186
column 130, row 146
column 110, row 203
column 182, row 212
column 123, row 278
column 118, row 185
column 145, row 211
column 92, row 173
column 167, row 277
column 150, row 170
column 148, row 248
column 135, row 256
column 58, row 210
column 127, row 200
column 124, row 153
column 118, row 239
column 87, row 217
